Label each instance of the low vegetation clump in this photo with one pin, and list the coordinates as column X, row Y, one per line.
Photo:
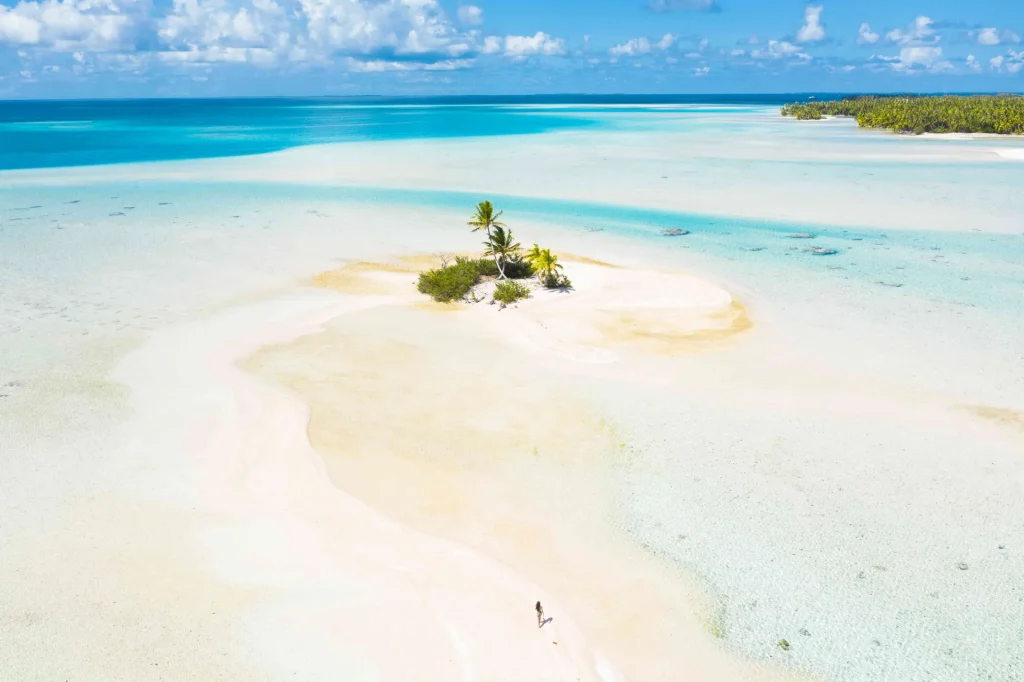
column 519, row 268
column 557, row 282
column 548, row 268
column 503, row 259
column 450, row 282
column 510, row 291
column 1000, row 114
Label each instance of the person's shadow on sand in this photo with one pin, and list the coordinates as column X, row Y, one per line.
column 546, row 621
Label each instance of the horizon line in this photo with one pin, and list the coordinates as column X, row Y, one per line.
column 493, row 97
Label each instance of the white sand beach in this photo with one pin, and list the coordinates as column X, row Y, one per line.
column 296, row 577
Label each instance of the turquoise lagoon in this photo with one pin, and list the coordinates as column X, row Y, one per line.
column 80, row 255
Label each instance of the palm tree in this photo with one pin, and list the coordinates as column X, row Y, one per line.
column 502, row 246
column 533, row 255
column 547, row 265
column 486, row 219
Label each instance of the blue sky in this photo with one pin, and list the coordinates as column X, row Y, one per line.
column 126, row 48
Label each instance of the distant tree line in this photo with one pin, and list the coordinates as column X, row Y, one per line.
column 1002, row 114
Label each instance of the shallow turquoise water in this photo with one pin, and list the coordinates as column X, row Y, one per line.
column 76, row 133
column 967, row 269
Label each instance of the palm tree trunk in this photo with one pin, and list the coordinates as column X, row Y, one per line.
column 497, row 263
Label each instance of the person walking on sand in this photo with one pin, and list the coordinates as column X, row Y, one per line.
column 540, row 615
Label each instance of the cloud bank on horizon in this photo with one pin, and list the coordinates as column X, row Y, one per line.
column 145, row 47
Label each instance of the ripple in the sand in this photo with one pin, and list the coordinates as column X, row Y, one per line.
column 822, row 251
column 675, row 232
column 801, row 235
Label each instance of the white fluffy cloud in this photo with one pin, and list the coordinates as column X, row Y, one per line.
column 360, row 35
column 993, row 36
column 471, row 15
column 219, row 54
column 778, row 49
column 919, row 56
column 381, row 65
column 1013, row 62
column 996, row 63
column 865, row 36
column 70, row 25
column 492, row 45
column 539, row 44
column 397, row 30
column 641, row 46
column 18, row 29
column 973, row 64
column 208, row 31
column 812, row 31
column 988, row 36
column 919, row 32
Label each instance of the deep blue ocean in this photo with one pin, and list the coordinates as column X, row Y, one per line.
column 50, row 134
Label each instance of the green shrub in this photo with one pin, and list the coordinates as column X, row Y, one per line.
column 508, row 292
column 450, row 283
column 485, row 266
column 517, row 268
column 557, row 281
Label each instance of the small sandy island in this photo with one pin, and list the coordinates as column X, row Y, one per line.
column 467, row 422
column 611, row 308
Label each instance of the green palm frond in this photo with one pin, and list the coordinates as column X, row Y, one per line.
column 547, row 264
column 501, row 244
column 485, row 218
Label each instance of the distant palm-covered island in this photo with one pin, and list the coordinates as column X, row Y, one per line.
column 999, row 114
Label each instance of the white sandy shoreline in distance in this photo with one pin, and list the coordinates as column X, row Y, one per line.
column 1015, row 154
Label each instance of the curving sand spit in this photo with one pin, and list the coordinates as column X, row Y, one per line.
column 459, row 421
column 345, row 483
